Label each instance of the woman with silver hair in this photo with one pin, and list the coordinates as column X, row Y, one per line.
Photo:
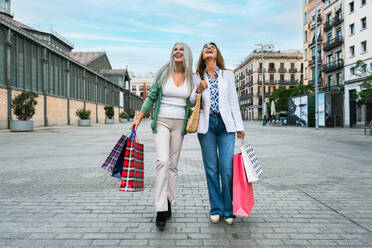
column 170, row 93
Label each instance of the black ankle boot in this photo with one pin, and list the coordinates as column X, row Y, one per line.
column 169, row 212
column 161, row 220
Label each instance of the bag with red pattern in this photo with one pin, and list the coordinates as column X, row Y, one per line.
column 132, row 173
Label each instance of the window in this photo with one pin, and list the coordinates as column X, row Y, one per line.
column 338, row 55
column 292, row 65
column 271, row 65
column 329, row 37
column 363, row 23
column 364, row 46
column 306, row 73
column 305, row 36
column 282, row 64
column 282, row 77
column 305, row 17
column 292, row 77
column 363, row 2
column 271, row 77
column 134, row 88
column 352, row 51
column 329, row 18
column 351, row 7
column 141, row 87
column 330, row 83
column 329, row 58
column 352, row 71
column 352, row 28
column 339, row 78
column 306, row 57
column 339, row 34
column 364, row 68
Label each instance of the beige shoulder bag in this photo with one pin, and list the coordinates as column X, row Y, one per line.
column 193, row 122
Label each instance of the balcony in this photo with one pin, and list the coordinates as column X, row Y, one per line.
column 271, row 70
column 292, row 70
column 249, row 84
column 246, row 96
column 320, row 82
column 241, row 77
column 259, row 70
column 312, row 61
column 330, row 44
column 327, row 26
column 335, row 88
column 312, row 23
column 332, row 66
column 312, row 44
column 249, row 72
column 241, row 87
column 282, row 70
column 337, row 20
column 288, row 82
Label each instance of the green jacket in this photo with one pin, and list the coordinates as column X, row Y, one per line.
column 155, row 95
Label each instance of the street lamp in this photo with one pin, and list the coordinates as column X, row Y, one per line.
column 261, row 46
column 126, row 92
column 316, row 66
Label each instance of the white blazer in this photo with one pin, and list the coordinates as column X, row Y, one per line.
column 228, row 102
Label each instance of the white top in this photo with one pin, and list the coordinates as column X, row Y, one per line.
column 173, row 101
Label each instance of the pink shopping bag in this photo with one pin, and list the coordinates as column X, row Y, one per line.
column 243, row 199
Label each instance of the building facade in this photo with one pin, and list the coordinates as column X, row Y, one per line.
column 281, row 68
column 63, row 84
column 313, row 14
column 141, row 84
column 358, row 43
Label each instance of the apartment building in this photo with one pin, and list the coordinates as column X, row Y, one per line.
column 358, row 46
column 141, row 84
column 281, row 68
column 313, row 14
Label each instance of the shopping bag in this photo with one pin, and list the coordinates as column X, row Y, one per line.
column 116, row 172
column 193, row 122
column 114, row 155
column 252, row 165
column 133, row 167
column 243, row 198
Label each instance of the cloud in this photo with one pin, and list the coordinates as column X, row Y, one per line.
column 89, row 36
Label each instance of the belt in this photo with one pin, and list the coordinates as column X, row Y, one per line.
column 215, row 114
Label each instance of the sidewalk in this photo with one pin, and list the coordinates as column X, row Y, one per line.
column 53, row 193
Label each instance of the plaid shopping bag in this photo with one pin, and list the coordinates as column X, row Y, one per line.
column 132, row 174
column 114, row 155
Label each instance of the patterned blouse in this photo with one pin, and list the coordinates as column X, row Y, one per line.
column 213, row 88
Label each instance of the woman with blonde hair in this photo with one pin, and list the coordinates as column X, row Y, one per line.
column 219, row 120
column 170, row 93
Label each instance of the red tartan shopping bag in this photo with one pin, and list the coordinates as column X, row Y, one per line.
column 132, row 174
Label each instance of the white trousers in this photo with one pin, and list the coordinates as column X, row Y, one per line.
column 168, row 144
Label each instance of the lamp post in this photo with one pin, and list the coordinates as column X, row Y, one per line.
column 316, row 66
column 261, row 46
column 126, row 92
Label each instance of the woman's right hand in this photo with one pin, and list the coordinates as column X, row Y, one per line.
column 135, row 124
column 203, row 84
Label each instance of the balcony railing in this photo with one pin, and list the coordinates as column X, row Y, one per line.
column 334, row 65
column 250, row 71
column 288, row 82
column 312, row 23
column 246, row 96
column 249, row 84
column 337, row 20
column 328, row 45
column 312, row 61
column 312, row 44
column 282, row 70
column 271, row 69
column 241, row 87
column 320, row 82
column 292, row 70
column 335, row 87
column 327, row 25
column 260, row 69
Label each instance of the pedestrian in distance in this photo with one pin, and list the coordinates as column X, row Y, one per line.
column 219, row 120
column 170, row 93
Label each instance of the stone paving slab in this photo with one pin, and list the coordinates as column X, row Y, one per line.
column 53, row 193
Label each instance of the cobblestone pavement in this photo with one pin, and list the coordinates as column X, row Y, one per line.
column 317, row 191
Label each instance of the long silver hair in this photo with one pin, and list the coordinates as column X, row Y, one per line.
column 166, row 70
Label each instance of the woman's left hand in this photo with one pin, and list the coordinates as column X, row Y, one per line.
column 240, row 134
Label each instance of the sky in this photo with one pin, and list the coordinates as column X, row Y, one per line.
column 140, row 34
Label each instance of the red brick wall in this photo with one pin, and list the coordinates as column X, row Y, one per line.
column 75, row 105
column 57, row 111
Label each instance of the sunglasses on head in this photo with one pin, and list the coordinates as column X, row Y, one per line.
column 210, row 44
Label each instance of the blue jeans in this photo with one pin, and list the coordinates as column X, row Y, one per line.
column 217, row 147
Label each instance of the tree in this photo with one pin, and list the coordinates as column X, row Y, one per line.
column 281, row 95
column 24, row 105
column 364, row 97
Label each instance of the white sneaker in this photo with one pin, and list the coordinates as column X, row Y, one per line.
column 229, row 221
column 215, row 218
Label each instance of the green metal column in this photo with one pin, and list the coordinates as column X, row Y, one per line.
column 8, row 74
